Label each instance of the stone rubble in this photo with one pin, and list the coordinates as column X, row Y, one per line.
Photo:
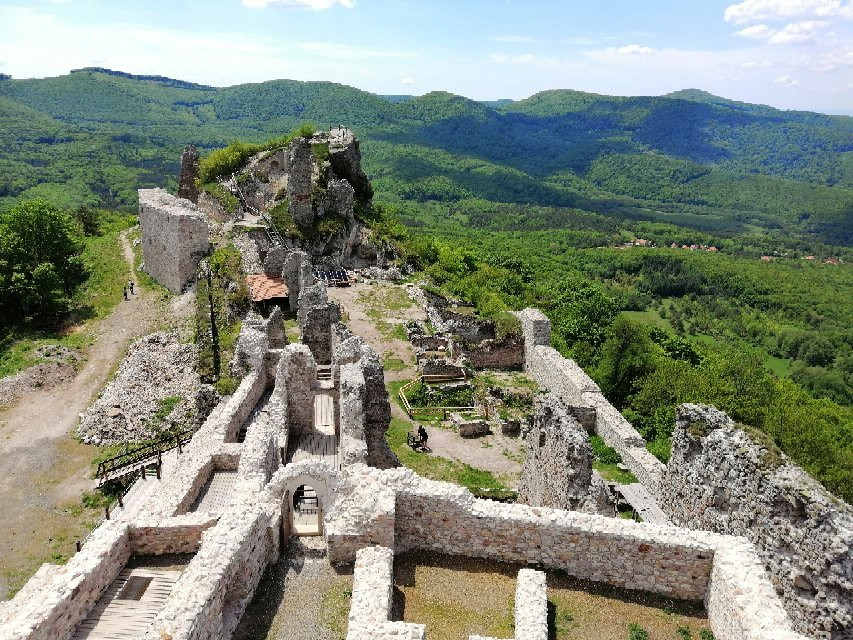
column 156, row 367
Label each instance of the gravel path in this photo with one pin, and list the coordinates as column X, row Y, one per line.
column 295, row 600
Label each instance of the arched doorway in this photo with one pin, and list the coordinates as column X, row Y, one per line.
column 306, row 512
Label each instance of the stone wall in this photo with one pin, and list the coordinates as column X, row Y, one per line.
column 300, row 165
column 377, row 408
column 372, row 598
column 440, row 367
column 720, row 479
column 297, row 272
column 531, row 607
column 565, row 378
column 175, row 237
column 506, row 353
column 52, row 605
column 557, row 470
column 297, row 372
column 187, row 187
column 662, row 560
column 316, row 316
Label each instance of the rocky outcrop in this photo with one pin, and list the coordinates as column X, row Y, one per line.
column 345, row 158
column 721, row 479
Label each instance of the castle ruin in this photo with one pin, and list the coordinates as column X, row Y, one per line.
column 315, row 414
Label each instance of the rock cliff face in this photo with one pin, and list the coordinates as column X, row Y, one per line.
column 319, row 198
column 721, row 480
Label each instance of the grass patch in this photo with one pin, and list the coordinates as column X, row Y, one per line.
column 291, row 330
column 385, row 298
column 613, row 473
column 781, row 367
column 392, row 363
column 334, row 609
column 651, row 317
column 437, row 468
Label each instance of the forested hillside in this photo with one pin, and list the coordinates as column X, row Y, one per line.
column 629, row 157
column 686, row 247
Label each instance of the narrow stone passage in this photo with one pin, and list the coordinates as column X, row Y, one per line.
column 301, row 597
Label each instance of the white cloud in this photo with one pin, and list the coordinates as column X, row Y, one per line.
column 780, row 10
column 796, row 32
column 786, row 81
column 316, row 5
column 408, row 80
column 764, row 64
column 633, row 50
column 756, row 32
column 513, row 39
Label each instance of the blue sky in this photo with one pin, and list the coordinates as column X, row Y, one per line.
column 793, row 54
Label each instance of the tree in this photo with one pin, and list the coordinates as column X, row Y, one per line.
column 40, row 265
column 626, row 357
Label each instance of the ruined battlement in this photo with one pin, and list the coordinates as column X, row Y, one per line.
column 175, row 237
column 721, row 479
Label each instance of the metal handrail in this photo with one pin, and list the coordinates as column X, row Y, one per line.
column 272, row 233
column 140, row 454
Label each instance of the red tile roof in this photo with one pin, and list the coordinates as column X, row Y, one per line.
column 266, row 288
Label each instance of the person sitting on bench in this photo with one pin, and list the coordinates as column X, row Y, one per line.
column 423, row 435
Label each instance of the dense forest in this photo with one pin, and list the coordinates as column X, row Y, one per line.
column 686, row 247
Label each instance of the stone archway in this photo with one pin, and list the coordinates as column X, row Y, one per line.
column 306, row 512
column 304, row 497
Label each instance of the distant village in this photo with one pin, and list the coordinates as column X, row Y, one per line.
column 642, row 242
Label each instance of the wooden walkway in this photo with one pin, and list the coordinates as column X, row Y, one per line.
column 216, row 493
column 129, row 605
column 643, row 503
column 324, row 413
column 321, row 442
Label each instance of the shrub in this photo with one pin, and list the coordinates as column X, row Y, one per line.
column 636, row 632
column 603, row 453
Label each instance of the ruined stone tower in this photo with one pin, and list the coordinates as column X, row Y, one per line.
column 189, row 174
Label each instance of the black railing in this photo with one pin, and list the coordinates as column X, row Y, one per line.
column 129, row 461
column 272, row 233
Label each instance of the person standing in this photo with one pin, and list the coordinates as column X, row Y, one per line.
column 124, row 291
column 130, row 283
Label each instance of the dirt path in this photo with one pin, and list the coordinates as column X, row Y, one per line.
column 45, row 469
column 367, row 307
column 361, row 301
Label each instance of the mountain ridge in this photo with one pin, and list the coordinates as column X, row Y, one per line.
column 558, row 147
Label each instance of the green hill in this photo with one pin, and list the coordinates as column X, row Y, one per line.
column 97, row 135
